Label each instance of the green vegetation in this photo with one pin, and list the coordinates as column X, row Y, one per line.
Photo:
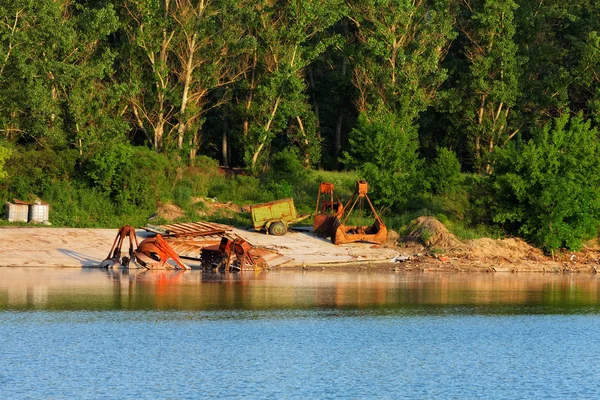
column 549, row 187
column 483, row 113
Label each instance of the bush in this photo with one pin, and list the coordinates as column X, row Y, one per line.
column 5, row 153
column 547, row 189
column 106, row 168
column 82, row 207
column 385, row 154
column 444, row 173
column 240, row 189
column 183, row 193
column 31, row 173
column 136, row 178
column 286, row 165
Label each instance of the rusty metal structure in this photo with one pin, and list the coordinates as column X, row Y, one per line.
column 329, row 208
column 342, row 233
column 190, row 239
column 231, row 254
column 155, row 252
column 150, row 253
column 275, row 216
column 114, row 255
column 189, row 229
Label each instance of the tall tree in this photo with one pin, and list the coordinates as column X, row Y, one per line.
column 332, row 94
column 487, row 86
column 547, row 188
column 400, row 46
column 289, row 36
column 397, row 75
column 54, row 66
column 560, row 42
column 178, row 52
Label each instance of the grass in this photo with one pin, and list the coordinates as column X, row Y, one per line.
column 75, row 202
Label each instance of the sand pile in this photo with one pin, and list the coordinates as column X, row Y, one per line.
column 511, row 250
column 433, row 234
column 213, row 206
column 169, row 212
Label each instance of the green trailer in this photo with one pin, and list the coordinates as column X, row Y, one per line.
column 275, row 216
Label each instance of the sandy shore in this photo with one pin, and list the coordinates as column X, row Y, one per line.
column 77, row 248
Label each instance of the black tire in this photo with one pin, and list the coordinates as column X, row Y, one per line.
column 277, row 229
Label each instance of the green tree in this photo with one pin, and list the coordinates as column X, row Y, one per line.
column 444, row 172
column 332, row 95
column 178, row 52
column 561, row 45
column 488, row 73
column 548, row 189
column 5, row 153
column 386, row 156
column 400, row 46
column 289, row 36
column 53, row 73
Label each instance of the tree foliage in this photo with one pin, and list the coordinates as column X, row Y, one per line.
column 487, row 77
column 412, row 95
column 548, row 187
column 54, row 70
column 386, row 155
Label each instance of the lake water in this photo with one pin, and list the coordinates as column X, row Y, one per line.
column 70, row 333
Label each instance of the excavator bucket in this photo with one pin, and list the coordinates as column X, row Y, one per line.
column 329, row 209
column 114, row 256
column 375, row 233
column 150, row 253
column 155, row 252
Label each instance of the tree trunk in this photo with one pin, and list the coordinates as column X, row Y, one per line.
column 311, row 79
column 337, row 142
column 224, row 149
column 189, row 69
column 159, row 131
column 194, row 147
column 246, row 123
column 306, row 155
column 267, row 129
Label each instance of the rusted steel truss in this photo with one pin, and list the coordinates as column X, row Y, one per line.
column 189, row 241
column 232, row 254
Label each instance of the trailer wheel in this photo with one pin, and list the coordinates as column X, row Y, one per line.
column 277, row 229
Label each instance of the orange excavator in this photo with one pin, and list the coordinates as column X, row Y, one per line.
column 150, row 253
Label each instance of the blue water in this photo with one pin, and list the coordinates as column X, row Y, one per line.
column 387, row 348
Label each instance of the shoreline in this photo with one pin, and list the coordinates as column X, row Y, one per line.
column 38, row 247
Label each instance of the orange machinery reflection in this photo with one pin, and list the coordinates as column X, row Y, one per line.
column 165, row 289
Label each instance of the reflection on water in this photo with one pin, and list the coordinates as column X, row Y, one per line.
column 95, row 289
column 94, row 334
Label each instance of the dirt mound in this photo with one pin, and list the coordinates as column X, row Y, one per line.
column 213, row 206
column 432, row 233
column 511, row 250
column 169, row 212
column 209, row 207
